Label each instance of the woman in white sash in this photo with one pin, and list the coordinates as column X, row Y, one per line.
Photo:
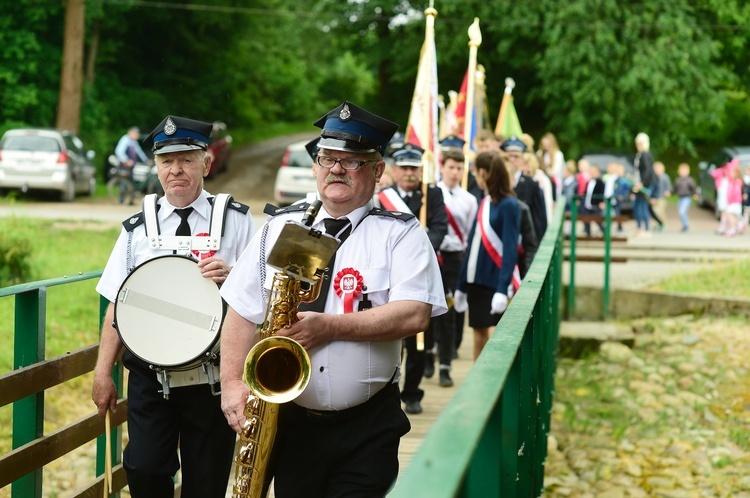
column 489, row 275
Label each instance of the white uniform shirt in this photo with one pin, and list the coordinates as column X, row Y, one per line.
column 396, row 262
column 463, row 207
column 238, row 230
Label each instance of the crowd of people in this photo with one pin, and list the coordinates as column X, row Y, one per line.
column 428, row 256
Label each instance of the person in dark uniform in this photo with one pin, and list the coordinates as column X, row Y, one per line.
column 526, row 188
column 406, row 195
column 340, row 437
column 190, row 418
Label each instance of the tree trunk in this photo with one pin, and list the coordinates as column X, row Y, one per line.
column 93, row 51
column 71, row 79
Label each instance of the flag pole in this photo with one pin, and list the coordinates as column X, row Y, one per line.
column 428, row 120
column 507, row 98
column 475, row 39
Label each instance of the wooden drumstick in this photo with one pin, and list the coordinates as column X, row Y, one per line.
column 108, row 455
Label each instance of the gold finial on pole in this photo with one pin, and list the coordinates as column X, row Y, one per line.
column 475, row 39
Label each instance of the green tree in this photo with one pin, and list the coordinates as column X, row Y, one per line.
column 611, row 69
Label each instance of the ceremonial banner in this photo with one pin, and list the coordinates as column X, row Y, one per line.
column 508, row 124
column 422, row 129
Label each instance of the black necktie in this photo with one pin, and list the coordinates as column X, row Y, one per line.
column 184, row 228
column 336, row 228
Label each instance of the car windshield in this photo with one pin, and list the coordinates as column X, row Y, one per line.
column 31, row 143
column 299, row 158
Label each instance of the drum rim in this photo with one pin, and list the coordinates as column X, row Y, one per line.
column 203, row 357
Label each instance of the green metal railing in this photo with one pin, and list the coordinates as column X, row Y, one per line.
column 491, row 439
column 29, row 347
column 606, row 259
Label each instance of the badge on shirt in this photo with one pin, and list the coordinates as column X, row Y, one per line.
column 348, row 285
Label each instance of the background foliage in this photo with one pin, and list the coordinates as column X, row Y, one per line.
column 594, row 72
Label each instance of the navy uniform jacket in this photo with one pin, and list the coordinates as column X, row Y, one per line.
column 528, row 191
column 478, row 267
column 437, row 218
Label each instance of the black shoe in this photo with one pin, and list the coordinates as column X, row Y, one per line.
column 413, row 407
column 429, row 365
column 445, row 378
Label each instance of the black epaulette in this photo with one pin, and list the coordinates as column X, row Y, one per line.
column 134, row 221
column 396, row 215
column 237, row 206
column 272, row 210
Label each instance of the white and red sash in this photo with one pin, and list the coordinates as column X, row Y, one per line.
column 452, row 219
column 390, row 200
column 492, row 242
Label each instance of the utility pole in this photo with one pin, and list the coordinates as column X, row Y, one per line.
column 71, row 78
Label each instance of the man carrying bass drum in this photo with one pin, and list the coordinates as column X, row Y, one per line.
column 171, row 406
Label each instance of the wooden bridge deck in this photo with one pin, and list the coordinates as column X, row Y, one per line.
column 435, row 398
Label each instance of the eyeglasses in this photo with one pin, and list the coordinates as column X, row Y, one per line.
column 347, row 164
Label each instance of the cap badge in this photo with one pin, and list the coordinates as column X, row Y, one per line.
column 345, row 113
column 170, row 127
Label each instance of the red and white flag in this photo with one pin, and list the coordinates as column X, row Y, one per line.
column 422, row 129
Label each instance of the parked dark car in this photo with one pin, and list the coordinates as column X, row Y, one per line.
column 706, row 183
column 219, row 148
column 46, row 159
column 603, row 158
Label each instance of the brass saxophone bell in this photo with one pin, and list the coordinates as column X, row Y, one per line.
column 277, row 369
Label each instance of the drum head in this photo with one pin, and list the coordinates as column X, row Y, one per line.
column 167, row 314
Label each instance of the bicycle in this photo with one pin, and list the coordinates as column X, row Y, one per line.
column 125, row 182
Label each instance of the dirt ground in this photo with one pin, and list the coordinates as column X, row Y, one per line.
column 252, row 171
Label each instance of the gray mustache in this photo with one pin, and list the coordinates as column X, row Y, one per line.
column 338, row 179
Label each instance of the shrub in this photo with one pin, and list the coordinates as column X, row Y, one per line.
column 15, row 259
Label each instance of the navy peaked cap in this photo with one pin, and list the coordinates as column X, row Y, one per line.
column 408, row 155
column 513, row 144
column 353, row 129
column 312, row 147
column 452, row 142
column 176, row 134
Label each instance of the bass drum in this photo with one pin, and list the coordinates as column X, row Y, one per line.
column 168, row 315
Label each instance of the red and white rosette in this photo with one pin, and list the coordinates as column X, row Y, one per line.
column 348, row 285
column 201, row 255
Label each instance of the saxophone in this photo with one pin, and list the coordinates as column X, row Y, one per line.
column 277, row 369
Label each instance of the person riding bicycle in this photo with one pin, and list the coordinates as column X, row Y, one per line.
column 129, row 152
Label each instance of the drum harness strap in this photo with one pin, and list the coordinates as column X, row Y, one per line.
column 207, row 372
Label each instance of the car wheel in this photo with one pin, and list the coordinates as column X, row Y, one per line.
column 69, row 194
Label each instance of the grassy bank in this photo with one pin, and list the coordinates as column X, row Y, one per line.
column 72, row 319
column 728, row 280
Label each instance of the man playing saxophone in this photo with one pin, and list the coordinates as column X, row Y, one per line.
column 340, row 437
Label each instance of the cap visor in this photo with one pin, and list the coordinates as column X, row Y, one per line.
column 344, row 145
column 177, row 148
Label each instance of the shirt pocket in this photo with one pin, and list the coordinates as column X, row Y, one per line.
column 376, row 286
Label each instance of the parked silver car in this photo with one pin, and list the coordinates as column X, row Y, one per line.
column 294, row 178
column 46, row 159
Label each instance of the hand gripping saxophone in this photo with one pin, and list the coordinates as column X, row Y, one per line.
column 277, row 369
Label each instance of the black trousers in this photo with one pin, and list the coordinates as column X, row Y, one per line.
column 414, row 368
column 190, row 419
column 352, row 454
column 443, row 327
